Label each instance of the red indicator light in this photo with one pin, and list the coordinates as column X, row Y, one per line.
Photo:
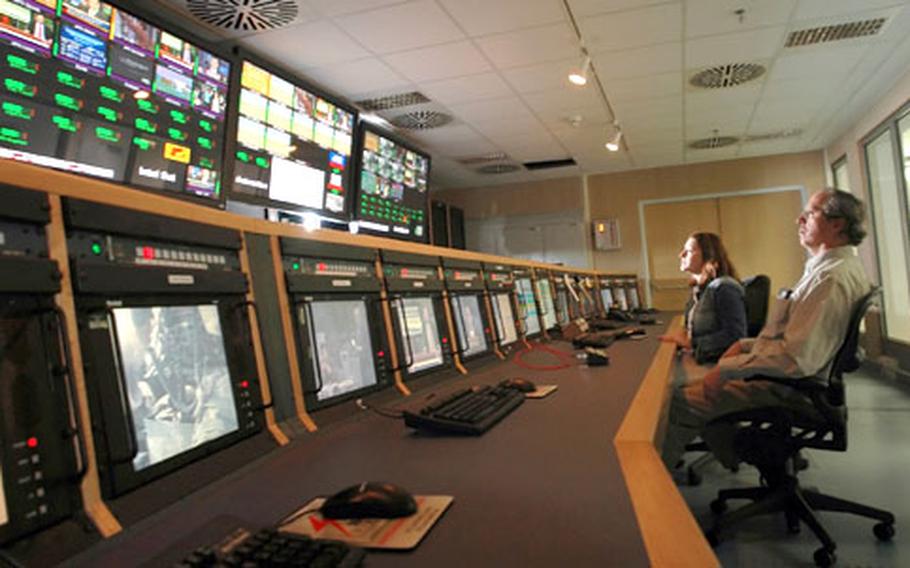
column 380, row 354
column 404, row 271
column 321, row 267
column 244, row 384
column 486, row 329
column 148, row 252
column 445, row 339
column 32, row 442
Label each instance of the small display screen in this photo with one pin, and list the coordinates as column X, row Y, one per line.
column 294, row 147
column 4, row 516
column 619, row 295
column 546, row 298
column 471, row 338
column 632, row 296
column 528, row 304
column 392, row 196
column 177, row 379
column 341, row 333
column 91, row 89
column 562, row 298
column 607, row 296
column 422, row 338
column 505, row 319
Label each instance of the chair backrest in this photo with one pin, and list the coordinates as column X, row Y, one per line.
column 757, row 290
column 846, row 359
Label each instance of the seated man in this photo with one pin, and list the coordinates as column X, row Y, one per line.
column 805, row 328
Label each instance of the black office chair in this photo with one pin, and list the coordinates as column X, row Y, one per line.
column 756, row 292
column 770, row 437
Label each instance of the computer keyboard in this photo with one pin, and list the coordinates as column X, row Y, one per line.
column 269, row 547
column 471, row 410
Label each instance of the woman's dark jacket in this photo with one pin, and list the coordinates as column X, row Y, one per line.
column 715, row 318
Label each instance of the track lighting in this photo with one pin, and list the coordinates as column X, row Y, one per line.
column 613, row 144
column 580, row 76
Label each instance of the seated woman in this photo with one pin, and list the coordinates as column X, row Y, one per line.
column 716, row 312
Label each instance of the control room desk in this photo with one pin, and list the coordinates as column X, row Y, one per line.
column 544, row 487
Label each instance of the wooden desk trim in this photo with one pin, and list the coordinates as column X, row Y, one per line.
column 670, row 533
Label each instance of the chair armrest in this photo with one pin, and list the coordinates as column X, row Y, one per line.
column 808, row 385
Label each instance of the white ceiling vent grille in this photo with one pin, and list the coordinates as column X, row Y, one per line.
column 485, row 159
column 728, row 75
column 244, row 15
column 835, row 32
column 393, row 101
column 790, row 133
column 421, row 120
column 713, row 142
column 495, row 169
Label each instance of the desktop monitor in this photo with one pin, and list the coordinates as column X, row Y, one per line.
column 471, row 337
column 92, row 89
column 418, row 317
column 343, row 361
column 392, row 187
column 294, row 144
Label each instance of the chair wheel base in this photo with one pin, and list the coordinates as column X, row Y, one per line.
column 824, row 557
column 884, row 531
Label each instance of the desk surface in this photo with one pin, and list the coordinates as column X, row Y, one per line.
column 542, row 487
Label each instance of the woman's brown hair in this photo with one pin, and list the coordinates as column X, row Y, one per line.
column 712, row 250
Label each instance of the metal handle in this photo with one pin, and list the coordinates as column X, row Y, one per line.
column 407, row 334
column 67, row 372
column 133, row 444
column 252, row 304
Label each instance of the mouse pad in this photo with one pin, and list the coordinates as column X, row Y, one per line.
column 541, row 391
column 393, row 534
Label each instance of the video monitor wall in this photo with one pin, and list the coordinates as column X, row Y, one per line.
column 392, row 196
column 92, row 89
column 293, row 146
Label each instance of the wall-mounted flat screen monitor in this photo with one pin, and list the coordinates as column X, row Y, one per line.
column 294, row 145
column 471, row 338
column 344, row 351
column 392, row 187
column 422, row 341
column 176, row 376
column 91, row 89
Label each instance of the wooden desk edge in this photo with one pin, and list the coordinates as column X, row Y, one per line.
column 671, row 535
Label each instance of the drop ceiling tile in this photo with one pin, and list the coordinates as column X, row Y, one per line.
column 582, row 8
column 708, row 101
column 747, row 46
column 492, row 110
column 439, row 62
column 796, row 88
column 535, row 151
column 595, row 116
column 648, row 87
column 633, row 28
column 809, row 62
column 563, row 100
column 466, row 89
column 531, row 46
column 355, row 77
column 510, row 131
column 482, row 17
column 302, row 46
column 541, row 77
column 709, row 17
column 644, row 110
column 333, row 8
column 812, row 9
column 639, row 62
column 401, row 27
column 711, row 155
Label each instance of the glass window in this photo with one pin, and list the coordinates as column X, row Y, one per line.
column 505, row 320
column 840, row 174
column 546, row 298
column 422, row 339
column 890, row 232
column 471, row 338
column 341, row 333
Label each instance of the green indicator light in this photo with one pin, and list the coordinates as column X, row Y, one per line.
column 109, row 114
column 142, row 143
column 20, row 88
column 178, row 117
column 67, row 101
column 13, row 136
column 21, row 64
column 295, row 266
column 65, row 123
column 206, row 163
column 96, row 249
column 244, row 157
column 107, row 134
column 69, row 80
column 218, row 187
column 206, row 125
column 146, row 126
column 147, row 106
column 17, row 111
column 108, row 70
column 262, row 162
column 205, row 143
column 177, row 135
column 110, row 94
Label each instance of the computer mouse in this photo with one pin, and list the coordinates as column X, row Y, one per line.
column 369, row 500
column 522, row 385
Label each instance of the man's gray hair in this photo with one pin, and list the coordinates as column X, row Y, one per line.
column 844, row 205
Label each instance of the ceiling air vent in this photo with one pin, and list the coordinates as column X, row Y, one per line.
column 248, row 15
column 486, row 158
column 728, row 75
column 835, row 32
column 550, row 164
column 393, row 101
column 713, row 142
column 498, row 169
column 790, row 133
column 421, row 120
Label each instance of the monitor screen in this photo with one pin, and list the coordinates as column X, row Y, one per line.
column 505, row 320
column 632, row 296
column 392, row 196
column 546, row 298
column 607, row 297
column 529, row 305
column 562, row 298
column 177, row 379
column 94, row 90
column 471, row 337
column 293, row 146
column 422, row 340
column 619, row 296
column 4, row 516
column 341, row 333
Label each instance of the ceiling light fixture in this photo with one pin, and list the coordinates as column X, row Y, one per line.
column 580, row 76
column 613, row 144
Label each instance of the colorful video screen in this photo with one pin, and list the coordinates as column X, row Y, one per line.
column 392, row 198
column 293, row 146
column 89, row 88
column 176, row 376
